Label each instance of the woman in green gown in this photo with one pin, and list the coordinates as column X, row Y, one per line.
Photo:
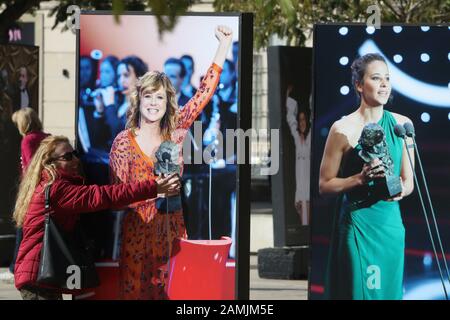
column 366, row 257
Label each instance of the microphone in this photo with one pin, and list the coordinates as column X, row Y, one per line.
column 409, row 128
column 214, row 150
column 399, row 131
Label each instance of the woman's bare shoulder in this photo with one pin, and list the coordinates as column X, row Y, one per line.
column 347, row 129
column 400, row 119
column 345, row 125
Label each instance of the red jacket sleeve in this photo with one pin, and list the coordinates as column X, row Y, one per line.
column 66, row 197
column 27, row 151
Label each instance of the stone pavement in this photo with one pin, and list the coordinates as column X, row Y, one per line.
column 7, row 290
column 260, row 289
column 270, row 289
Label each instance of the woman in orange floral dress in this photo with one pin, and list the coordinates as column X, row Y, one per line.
column 154, row 117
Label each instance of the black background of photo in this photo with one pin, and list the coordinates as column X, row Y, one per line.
column 432, row 137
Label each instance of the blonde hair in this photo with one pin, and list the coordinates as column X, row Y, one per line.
column 42, row 161
column 154, row 80
column 26, row 121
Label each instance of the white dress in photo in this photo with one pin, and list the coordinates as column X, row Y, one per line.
column 302, row 158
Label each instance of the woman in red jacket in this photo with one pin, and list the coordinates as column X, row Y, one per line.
column 55, row 163
column 30, row 128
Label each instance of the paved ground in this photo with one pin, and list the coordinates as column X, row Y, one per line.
column 268, row 289
column 8, row 291
column 260, row 289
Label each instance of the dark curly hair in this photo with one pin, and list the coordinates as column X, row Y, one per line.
column 139, row 66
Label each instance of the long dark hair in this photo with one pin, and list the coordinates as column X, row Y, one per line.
column 139, row 66
column 307, row 119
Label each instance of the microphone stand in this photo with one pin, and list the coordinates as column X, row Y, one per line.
column 213, row 159
column 427, row 192
column 167, row 227
column 425, row 215
column 209, row 200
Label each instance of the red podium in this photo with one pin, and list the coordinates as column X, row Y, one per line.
column 199, row 270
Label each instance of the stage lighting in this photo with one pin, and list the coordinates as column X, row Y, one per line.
column 324, row 132
column 397, row 29
column 343, row 61
column 370, row 30
column 448, row 56
column 425, row 28
column 425, row 290
column 425, row 57
column 345, row 90
column 343, row 31
column 449, row 116
column 425, row 117
column 96, row 54
column 427, row 260
column 398, row 58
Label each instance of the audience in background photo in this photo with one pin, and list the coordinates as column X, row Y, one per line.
column 187, row 88
column 175, row 70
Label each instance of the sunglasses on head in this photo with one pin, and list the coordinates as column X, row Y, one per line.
column 68, row 156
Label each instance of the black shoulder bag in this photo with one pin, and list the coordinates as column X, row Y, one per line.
column 66, row 259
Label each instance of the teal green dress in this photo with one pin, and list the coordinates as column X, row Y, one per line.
column 366, row 257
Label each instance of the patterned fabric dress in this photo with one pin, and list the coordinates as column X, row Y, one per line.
column 145, row 241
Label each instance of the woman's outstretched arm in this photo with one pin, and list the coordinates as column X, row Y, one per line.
column 291, row 116
column 208, row 86
column 225, row 37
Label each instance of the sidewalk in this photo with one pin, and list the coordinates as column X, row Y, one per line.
column 7, row 290
column 260, row 289
column 269, row 289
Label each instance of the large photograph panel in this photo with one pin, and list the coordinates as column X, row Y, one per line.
column 112, row 58
column 416, row 62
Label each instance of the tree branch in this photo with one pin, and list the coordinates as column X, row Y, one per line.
column 12, row 13
column 391, row 7
column 15, row 11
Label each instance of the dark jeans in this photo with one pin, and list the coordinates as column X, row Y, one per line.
column 35, row 293
column 19, row 236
